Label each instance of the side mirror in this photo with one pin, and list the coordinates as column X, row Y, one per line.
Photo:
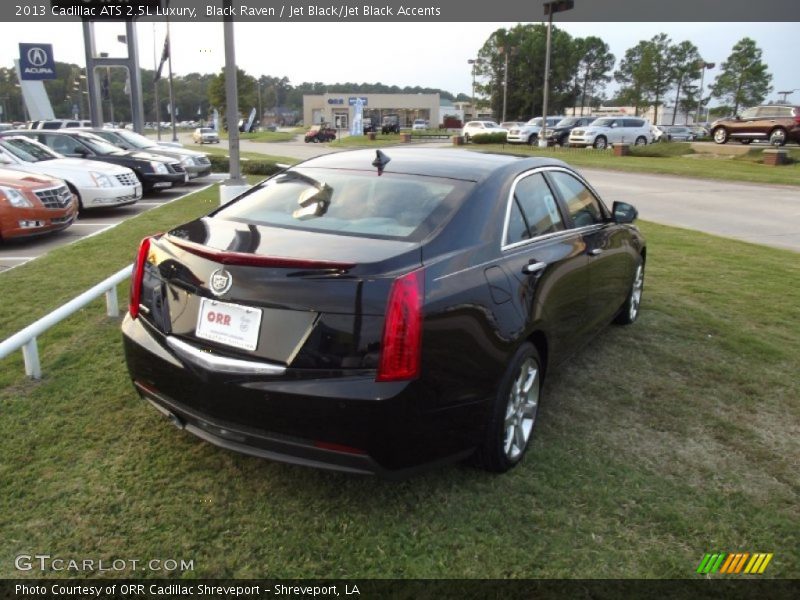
column 624, row 212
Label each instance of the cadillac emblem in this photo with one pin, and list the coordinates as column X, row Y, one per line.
column 220, row 282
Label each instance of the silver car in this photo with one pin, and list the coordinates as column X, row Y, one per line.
column 196, row 163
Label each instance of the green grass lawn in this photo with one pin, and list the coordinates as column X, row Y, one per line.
column 247, row 155
column 706, row 166
column 657, row 443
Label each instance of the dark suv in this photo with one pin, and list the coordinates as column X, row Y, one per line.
column 777, row 123
column 390, row 124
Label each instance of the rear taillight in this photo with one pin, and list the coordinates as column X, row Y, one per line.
column 137, row 275
column 401, row 345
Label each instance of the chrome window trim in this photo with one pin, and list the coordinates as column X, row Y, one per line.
column 548, row 236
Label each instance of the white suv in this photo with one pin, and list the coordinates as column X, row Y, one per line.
column 476, row 128
column 529, row 133
column 612, row 130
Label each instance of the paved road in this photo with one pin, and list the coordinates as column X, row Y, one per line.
column 762, row 214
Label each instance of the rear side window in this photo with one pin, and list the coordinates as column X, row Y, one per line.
column 584, row 208
column 537, row 208
column 634, row 123
column 359, row 203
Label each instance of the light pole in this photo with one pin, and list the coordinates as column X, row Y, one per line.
column 702, row 65
column 549, row 9
column 474, row 62
column 506, row 51
column 787, row 93
column 108, row 89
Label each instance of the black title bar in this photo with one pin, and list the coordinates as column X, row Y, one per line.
column 412, row 11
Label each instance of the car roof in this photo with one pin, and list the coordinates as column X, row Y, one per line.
column 453, row 164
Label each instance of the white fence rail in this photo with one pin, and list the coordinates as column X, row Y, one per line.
column 26, row 339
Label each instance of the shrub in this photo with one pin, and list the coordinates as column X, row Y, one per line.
column 663, row 150
column 488, row 138
column 221, row 164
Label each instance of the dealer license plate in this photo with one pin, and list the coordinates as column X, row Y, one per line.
column 229, row 324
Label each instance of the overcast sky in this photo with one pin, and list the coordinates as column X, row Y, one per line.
column 425, row 54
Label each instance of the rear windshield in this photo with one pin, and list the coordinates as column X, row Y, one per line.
column 358, row 203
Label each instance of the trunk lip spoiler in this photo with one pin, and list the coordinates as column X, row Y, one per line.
column 228, row 257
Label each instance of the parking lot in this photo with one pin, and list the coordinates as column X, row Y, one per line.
column 16, row 252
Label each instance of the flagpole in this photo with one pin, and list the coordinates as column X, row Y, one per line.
column 155, row 85
column 171, row 97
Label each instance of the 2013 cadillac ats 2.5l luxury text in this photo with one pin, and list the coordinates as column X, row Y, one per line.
column 374, row 312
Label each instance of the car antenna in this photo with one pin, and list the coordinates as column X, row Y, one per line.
column 381, row 160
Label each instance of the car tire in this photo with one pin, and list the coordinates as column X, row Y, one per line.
column 720, row 135
column 630, row 310
column 532, row 139
column 514, row 411
column 77, row 195
column 640, row 141
column 777, row 137
column 600, row 142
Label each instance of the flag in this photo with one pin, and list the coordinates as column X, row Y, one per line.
column 105, row 87
column 164, row 57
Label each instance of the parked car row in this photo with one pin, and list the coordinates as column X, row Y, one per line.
column 73, row 169
column 572, row 131
column 772, row 123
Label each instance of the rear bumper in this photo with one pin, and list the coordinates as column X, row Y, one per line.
column 340, row 421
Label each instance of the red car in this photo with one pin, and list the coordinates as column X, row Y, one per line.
column 33, row 204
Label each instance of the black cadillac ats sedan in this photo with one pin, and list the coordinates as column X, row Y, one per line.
column 374, row 312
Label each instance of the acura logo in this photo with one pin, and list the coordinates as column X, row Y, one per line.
column 220, row 282
column 37, row 57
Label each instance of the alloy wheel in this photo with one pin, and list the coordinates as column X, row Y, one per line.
column 636, row 293
column 520, row 415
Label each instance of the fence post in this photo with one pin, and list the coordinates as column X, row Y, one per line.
column 30, row 352
column 112, row 305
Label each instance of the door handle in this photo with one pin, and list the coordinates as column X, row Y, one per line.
column 533, row 267
column 595, row 251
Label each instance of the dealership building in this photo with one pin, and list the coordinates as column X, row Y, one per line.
column 338, row 109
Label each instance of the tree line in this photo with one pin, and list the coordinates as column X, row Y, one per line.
column 655, row 72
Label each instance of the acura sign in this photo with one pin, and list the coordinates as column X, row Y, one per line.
column 36, row 61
